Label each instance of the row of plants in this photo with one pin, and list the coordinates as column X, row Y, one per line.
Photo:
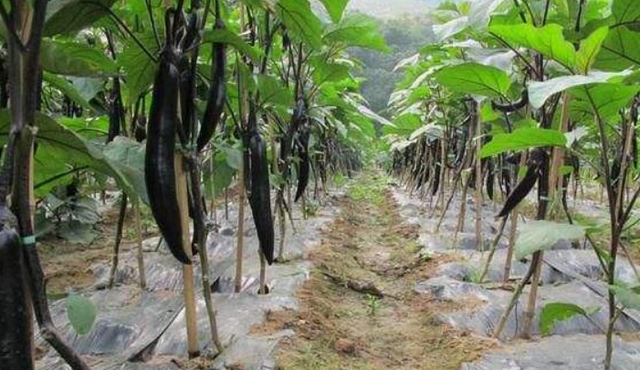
column 528, row 99
column 168, row 104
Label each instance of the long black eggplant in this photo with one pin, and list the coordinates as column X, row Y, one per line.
column 490, row 180
column 16, row 321
column 528, row 182
column 305, row 165
column 159, row 168
column 297, row 119
column 217, row 91
column 259, row 190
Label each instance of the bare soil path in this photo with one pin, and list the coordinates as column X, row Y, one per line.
column 358, row 310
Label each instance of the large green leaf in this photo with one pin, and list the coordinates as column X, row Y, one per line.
column 474, row 79
column 539, row 92
column 357, row 31
column 66, row 88
column 481, row 11
column 139, row 69
column 589, row 49
column 301, row 22
column 75, row 59
column 620, row 50
column 607, row 99
column 128, row 157
column 81, row 313
column 272, row 91
column 557, row 312
column 69, row 16
column 543, row 235
column 524, row 138
column 403, row 125
column 548, row 40
column 450, row 28
column 335, row 8
column 226, row 36
column 329, row 72
column 626, row 11
column 628, row 297
column 60, row 149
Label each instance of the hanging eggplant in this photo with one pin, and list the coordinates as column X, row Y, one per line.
column 16, row 336
column 490, row 180
column 527, row 183
column 217, row 90
column 305, row 165
column 258, row 186
column 159, row 167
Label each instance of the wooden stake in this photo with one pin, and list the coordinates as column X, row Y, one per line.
column 240, row 243
column 479, row 236
column 140, row 256
column 189, row 290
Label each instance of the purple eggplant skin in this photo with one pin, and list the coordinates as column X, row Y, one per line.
column 159, row 169
column 217, row 93
column 520, row 191
column 260, row 193
column 16, row 321
column 305, row 165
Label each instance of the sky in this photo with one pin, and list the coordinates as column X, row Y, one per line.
column 392, row 8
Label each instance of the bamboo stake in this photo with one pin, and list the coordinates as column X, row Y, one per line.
column 478, row 195
column 187, row 270
column 116, row 247
column 492, row 250
column 513, row 230
column 240, row 239
column 140, row 257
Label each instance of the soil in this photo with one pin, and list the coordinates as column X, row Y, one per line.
column 67, row 266
column 358, row 310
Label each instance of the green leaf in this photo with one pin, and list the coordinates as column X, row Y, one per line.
column 451, row 28
column 66, row 88
column 523, row 138
column 81, row 313
column 589, row 49
column 226, row 36
column 474, row 79
column 403, row 125
column 548, row 40
column 273, row 91
column 539, row 92
column 70, row 16
column 128, row 157
column 620, row 50
column 626, row 11
column 557, row 312
column 221, row 177
column 74, row 59
column 607, row 99
column 302, row 24
column 139, row 69
column 627, row 297
column 481, row 11
column 357, row 31
column 335, row 8
column 543, row 235
column 329, row 72
column 60, row 149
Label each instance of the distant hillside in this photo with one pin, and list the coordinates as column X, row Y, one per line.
column 392, row 8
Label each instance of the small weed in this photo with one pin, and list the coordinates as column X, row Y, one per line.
column 373, row 304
